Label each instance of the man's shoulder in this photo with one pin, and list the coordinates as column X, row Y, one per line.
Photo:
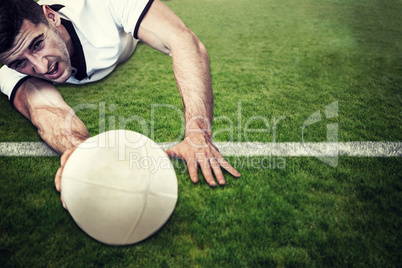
column 9, row 80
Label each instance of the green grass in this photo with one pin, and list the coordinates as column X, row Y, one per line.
column 306, row 214
column 279, row 61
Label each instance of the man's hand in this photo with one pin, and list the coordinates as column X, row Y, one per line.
column 57, row 180
column 198, row 150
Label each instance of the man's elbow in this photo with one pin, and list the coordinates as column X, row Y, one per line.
column 188, row 42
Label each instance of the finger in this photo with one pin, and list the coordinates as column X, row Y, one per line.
column 192, row 169
column 65, row 156
column 57, row 179
column 225, row 164
column 64, row 204
column 206, row 170
column 57, row 182
column 216, row 167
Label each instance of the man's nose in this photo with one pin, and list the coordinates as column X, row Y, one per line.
column 39, row 64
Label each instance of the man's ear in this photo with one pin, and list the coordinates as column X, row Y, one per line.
column 51, row 15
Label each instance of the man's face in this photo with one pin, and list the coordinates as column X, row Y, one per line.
column 39, row 51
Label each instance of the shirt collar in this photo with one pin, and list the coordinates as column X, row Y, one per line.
column 82, row 66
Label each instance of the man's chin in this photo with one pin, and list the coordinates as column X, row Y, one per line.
column 62, row 79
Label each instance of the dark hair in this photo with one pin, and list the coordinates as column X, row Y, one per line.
column 12, row 15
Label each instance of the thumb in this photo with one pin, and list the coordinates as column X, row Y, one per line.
column 57, row 180
column 172, row 152
column 65, row 156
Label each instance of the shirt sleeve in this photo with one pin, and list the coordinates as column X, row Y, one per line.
column 10, row 80
column 129, row 13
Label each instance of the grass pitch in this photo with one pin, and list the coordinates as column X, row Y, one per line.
column 273, row 64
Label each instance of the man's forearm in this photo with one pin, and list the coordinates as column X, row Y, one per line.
column 57, row 123
column 166, row 32
column 191, row 68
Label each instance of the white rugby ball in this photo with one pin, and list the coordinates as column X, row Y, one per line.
column 120, row 187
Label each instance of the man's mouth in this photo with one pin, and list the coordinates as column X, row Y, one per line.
column 54, row 69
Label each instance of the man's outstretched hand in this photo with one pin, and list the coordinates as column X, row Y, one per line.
column 198, row 150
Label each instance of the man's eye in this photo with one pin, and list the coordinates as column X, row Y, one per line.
column 19, row 64
column 37, row 45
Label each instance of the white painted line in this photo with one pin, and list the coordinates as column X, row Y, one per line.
column 26, row 149
column 358, row 149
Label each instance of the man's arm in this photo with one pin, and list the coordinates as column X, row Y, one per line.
column 164, row 31
column 57, row 124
